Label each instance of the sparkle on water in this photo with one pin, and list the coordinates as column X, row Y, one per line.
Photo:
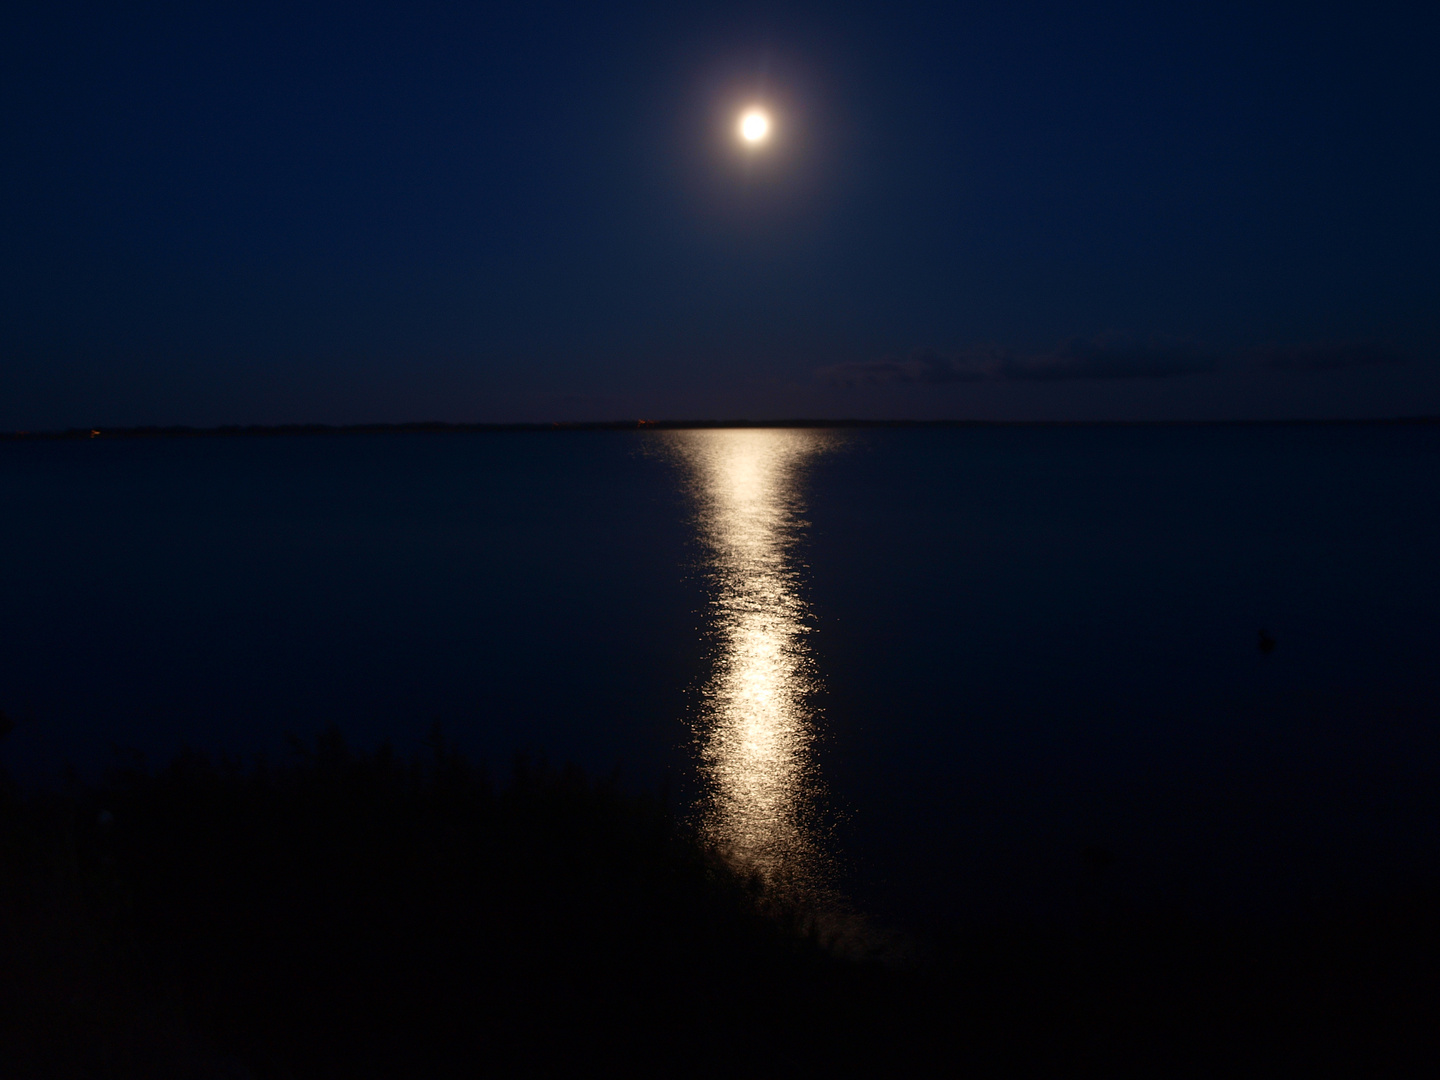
column 755, row 730
column 754, row 126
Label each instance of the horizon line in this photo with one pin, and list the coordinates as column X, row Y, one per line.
column 443, row 427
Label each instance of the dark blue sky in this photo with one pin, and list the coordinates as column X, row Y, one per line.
column 365, row 212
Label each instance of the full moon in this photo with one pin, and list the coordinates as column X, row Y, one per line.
column 754, row 126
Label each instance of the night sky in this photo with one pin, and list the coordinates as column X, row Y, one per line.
column 479, row 212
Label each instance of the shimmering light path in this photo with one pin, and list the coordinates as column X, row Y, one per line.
column 755, row 729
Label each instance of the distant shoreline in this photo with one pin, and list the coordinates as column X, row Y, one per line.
column 439, row 427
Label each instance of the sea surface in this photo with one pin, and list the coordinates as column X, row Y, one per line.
column 944, row 673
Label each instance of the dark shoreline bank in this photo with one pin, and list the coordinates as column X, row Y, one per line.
column 439, row 427
column 356, row 914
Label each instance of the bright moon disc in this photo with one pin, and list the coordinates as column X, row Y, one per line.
column 754, row 126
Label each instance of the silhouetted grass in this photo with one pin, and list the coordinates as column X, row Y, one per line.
column 356, row 914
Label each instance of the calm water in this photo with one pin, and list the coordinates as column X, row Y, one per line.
column 947, row 671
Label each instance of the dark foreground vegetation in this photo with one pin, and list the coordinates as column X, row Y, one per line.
column 357, row 915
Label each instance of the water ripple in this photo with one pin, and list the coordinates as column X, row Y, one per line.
column 756, row 727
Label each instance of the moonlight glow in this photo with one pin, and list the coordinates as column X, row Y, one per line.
column 754, row 126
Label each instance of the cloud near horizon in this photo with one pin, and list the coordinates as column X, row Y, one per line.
column 1078, row 358
column 1342, row 356
column 1096, row 358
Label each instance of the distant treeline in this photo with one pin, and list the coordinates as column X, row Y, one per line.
column 360, row 915
column 251, row 430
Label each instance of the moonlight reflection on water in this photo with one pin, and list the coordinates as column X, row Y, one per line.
column 755, row 727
